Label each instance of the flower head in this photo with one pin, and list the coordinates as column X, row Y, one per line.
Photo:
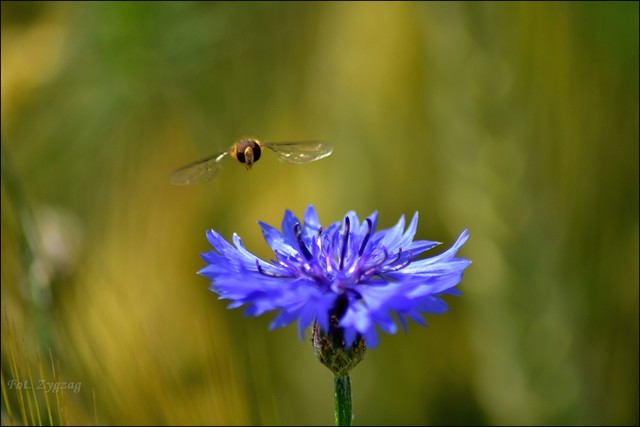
column 347, row 275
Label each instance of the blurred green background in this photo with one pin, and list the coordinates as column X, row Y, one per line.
column 518, row 121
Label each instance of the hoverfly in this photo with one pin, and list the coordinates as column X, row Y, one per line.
column 248, row 151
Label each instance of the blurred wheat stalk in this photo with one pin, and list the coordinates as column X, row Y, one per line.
column 34, row 399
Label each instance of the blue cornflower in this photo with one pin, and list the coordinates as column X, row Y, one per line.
column 347, row 276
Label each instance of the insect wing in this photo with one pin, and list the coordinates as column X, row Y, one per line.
column 300, row 152
column 199, row 171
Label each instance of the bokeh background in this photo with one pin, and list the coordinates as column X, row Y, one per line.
column 518, row 121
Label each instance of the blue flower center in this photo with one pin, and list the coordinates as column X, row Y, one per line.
column 340, row 261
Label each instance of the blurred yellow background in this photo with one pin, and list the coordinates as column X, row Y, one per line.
column 518, row 121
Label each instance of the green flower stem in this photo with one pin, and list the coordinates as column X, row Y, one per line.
column 342, row 384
